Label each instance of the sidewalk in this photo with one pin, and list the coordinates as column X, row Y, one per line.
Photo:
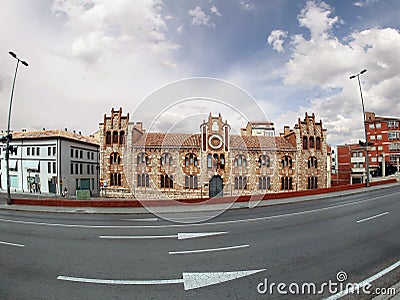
column 185, row 208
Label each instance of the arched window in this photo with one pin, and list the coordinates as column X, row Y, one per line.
column 115, row 137
column 191, row 182
column 115, row 179
column 115, row 159
column 166, row 181
column 122, row 137
column 305, row 143
column 318, row 143
column 240, row 160
column 191, row 160
column 209, row 161
column 312, row 182
column 287, row 183
column 286, row 162
column 240, row 183
column 312, row 146
column 166, row 159
column 222, row 161
column 264, row 161
column 142, row 158
column 143, row 180
column 108, row 138
column 312, row 162
column 264, row 183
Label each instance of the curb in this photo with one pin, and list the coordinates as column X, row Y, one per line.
column 190, row 207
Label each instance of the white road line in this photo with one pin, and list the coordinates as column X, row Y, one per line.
column 190, row 280
column 120, row 282
column 373, row 217
column 138, row 237
column 142, row 220
column 208, row 250
column 11, row 244
column 196, row 224
column 365, row 282
column 180, row 236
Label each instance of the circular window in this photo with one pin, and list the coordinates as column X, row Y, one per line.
column 215, row 141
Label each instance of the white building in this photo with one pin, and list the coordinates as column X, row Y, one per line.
column 48, row 161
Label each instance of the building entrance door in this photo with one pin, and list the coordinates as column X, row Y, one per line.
column 216, row 187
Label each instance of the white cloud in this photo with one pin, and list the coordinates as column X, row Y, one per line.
column 179, row 29
column 324, row 62
column 276, row 39
column 199, row 17
column 247, row 6
column 101, row 26
column 214, row 10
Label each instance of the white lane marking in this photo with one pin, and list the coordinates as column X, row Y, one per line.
column 373, row 217
column 364, row 282
column 190, row 218
column 142, row 220
column 196, row 224
column 11, row 244
column 137, row 237
column 191, row 235
column 190, row 280
column 180, row 235
column 120, row 282
column 208, row 250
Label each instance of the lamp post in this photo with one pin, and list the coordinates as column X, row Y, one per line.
column 365, row 127
column 9, row 135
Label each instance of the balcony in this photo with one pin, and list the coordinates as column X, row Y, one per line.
column 357, row 159
column 357, row 170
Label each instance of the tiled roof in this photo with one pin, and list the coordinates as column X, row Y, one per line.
column 260, row 142
column 54, row 133
column 167, row 140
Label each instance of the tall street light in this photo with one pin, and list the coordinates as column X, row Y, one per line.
column 365, row 126
column 9, row 135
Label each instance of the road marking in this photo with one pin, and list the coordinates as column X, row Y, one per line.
column 373, row 217
column 142, row 220
column 11, row 244
column 364, row 282
column 196, row 224
column 190, row 280
column 180, row 236
column 208, row 250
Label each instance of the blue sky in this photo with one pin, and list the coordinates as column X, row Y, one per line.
column 87, row 56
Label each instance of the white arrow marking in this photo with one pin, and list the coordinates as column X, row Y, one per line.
column 11, row 244
column 190, row 280
column 180, row 236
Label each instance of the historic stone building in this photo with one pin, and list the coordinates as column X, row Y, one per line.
column 149, row 165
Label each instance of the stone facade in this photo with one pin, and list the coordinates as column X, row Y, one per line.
column 211, row 163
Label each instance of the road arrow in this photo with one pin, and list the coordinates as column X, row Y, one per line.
column 180, row 236
column 190, row 280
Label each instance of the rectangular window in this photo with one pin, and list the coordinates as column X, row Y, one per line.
column 92, row 156
column 373, row 159
column 49, row 167
column 33, row 151
column 88, row 169
column 72, row 168
column 378, row 125
column 28, row 151
column 54, row 151
column 88, row 155
column 76, row 169
column 379, row 137
column 380, row 148
column 371, row 126
column 48, row 151
column 76, row 153
column 72, row 153
column 372, row 137
column 54, row 168
column 81, row 154
column 37, row 151
column 80, row 169
column 373, row 148
column 92, row 167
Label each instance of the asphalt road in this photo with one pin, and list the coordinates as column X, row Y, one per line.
column 72, row 256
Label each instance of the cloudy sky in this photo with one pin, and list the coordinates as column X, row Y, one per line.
column 87, row 56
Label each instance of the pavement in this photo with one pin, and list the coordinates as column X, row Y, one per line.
column 173, row 209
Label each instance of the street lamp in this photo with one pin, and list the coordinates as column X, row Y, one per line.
column 9, row 135
column 365, row 126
